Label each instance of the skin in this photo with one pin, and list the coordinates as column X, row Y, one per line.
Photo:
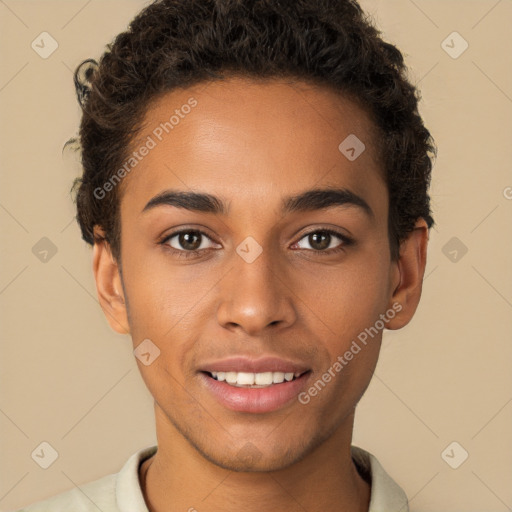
column 252, row 144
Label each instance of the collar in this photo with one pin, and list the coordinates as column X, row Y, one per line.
column 386, row 495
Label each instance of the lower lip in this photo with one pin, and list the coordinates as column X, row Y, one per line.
column 255, row 400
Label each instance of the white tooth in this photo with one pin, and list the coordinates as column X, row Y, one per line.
column 263, row 379
column 231, row 377
column 245, row 378
column 214, row 374
column 277, row 377
column 297, row 374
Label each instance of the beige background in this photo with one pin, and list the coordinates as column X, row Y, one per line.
column 69, row 380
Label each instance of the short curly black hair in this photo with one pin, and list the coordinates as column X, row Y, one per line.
column 179, row 43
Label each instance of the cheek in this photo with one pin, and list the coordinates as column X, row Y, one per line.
column 165, row 307
column 159, row 296
column 349, row 303
column 347, row 298
column 339, row 300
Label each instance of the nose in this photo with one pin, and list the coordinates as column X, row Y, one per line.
column 256, row 296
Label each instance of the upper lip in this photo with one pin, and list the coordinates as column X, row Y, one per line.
column 246, row 364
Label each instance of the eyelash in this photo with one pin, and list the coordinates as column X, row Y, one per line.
column 347, row 241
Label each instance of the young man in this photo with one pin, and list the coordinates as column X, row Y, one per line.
column 255, row 188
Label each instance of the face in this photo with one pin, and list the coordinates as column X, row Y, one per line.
column 232, row 267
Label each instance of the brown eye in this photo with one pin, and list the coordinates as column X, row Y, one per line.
column 189, row 240
column 321, row 240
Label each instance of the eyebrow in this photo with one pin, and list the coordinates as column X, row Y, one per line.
column 310, row 200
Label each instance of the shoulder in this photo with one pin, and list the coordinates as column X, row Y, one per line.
column 117, row 492
column 386, row 495
column 93, row 496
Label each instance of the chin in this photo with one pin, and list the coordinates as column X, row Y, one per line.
column 250, row 459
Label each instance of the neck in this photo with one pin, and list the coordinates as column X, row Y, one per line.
column 179, row 478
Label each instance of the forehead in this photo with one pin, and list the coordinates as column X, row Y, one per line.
column 253, row 139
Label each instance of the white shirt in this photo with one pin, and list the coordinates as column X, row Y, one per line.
column 121, row 492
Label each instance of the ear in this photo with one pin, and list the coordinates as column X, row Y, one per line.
column 408, row 276
column 109, row 284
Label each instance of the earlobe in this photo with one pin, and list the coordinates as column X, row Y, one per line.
column 109, row 286
column 411, row 269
